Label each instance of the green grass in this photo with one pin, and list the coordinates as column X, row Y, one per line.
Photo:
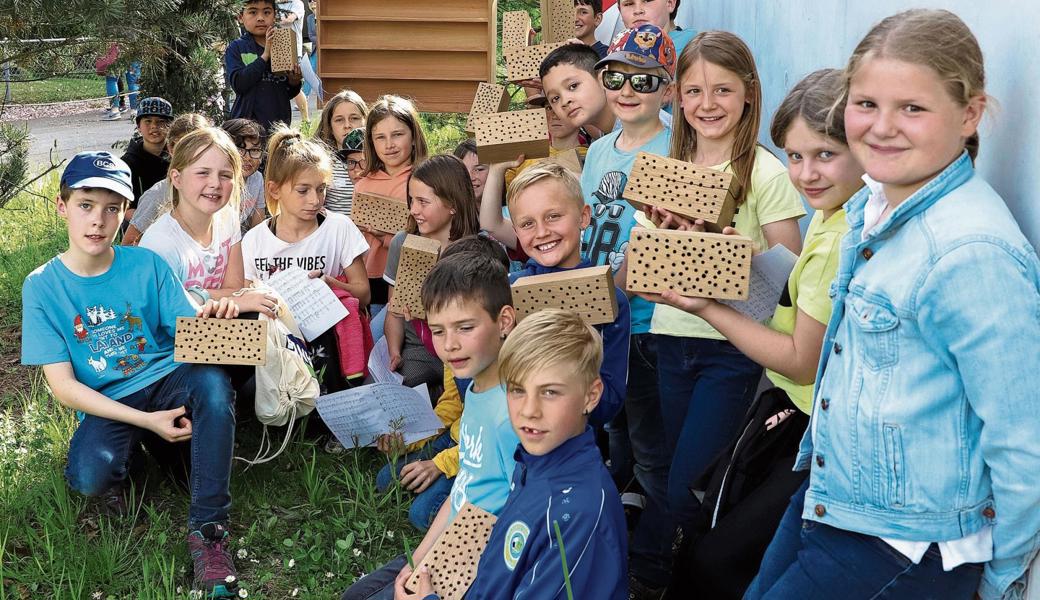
column 57, row 89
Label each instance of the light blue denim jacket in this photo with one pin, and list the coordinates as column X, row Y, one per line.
column 926, row 420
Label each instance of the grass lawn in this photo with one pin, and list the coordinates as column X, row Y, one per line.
column 57, row 89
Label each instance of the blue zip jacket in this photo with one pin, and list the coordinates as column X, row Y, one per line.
column 614, row 371
column 570, row 487
column 259, row 94
column 925, row 421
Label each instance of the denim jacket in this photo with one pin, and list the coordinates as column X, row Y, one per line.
column 926, row 422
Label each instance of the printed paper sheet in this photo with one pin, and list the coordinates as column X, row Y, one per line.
column 313, row 305
column 358, row 416
column 769, row 273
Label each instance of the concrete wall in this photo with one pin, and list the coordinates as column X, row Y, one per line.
column 794, row 37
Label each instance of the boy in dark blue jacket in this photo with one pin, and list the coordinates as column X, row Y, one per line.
column 562, row 502
column 548, row 214
column 260, row 95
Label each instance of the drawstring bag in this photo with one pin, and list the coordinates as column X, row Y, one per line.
column 286, row 386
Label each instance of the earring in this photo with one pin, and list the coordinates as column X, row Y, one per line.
column 585, row 412
column 451, row 212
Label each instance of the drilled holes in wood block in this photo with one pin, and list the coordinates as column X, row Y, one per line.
column 683, row 188
column 220, row 341
column 557, row 20
column 283, row 50
column 523, row 62
column 418, row 255
column 705, row 265
column 516, row 29
column 453, row 559
column 490, row 98
column 381, row 213
column 589, row 293
column 502, row 136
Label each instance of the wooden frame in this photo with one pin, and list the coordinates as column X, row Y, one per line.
column 418, row 255
column 220, row 341
column 704, row 265
column 503, row 136
column 682, row 188
column 522, row 63
column 381, row 213
column 590, row 293
column 452, row 561
column 490, row 98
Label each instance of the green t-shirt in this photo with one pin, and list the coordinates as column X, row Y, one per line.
column 772, row 198
column 807, row 291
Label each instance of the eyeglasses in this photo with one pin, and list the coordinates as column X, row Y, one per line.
column 251, row 152
column 355, row 163
column 643, row 83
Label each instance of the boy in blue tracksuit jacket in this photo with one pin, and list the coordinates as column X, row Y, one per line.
column 260, row 95
column 548, row 214
column 550, row 365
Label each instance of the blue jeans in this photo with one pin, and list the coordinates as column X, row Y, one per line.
column 377, row 317
column 377, row 585
column 133, row 73
column 710, row 385
column 101, row 449
column 425, row 505
column 808, row 561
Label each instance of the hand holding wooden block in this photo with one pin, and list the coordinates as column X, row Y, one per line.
column 516, row 29
column 220, row 341
column 501, row 137
column 453, row 559
column 703, row 265
column 589, row 293
column 490, row 98
column 523, row 62
column 682, row 188
column 283, row 50
column 381, row 213
column 418, row 255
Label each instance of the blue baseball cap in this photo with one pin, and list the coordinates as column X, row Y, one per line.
column 98, row 170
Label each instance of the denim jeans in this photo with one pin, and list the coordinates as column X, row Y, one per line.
column 101, row 449
column 707, row 387
column 811, row 561
column 426, row 504
column 133, row 73
column 377, row 317
column 377, row 585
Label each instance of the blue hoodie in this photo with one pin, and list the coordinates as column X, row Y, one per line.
column 260, row 95
column 614, row 371
column 570, row 487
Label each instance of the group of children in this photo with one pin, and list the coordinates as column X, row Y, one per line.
column 875, row 463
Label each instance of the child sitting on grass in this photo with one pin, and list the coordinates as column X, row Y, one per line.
column 562, row 501
column 101, row 322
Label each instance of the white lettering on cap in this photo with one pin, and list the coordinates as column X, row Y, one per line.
column 104, row 163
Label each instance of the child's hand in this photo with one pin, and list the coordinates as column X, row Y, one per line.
column 504, row 166
column 295, row 75
column 317, row 273
column 395, row 360
column 225, row 308
column 405, row 313
column 390, row 443
column 425, row 585
column 266, row 56
column 665, row 219
column 252, row 300
column 690, row 305
column 171, row 425
column 419, row 475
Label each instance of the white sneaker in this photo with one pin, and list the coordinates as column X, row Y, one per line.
column 133, row 115
column 111, row 115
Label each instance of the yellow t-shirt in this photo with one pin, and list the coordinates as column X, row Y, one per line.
column 771, row 198
column 808, row 290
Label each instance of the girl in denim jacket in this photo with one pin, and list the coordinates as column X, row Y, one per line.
column 925, row 467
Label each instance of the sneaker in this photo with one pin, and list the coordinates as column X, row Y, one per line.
column 637, row 590
column 215, row 572
column 133, row 115
column 111, row 114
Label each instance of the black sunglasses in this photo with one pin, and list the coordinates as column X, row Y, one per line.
column 643, row 83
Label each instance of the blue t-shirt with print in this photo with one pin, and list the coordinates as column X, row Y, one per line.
column 487, row 443
column 603, row 183
column 116, row 329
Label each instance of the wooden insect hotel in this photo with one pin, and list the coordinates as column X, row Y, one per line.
column 516, row 29
column 433, row 52
column 682, row 188
column 491, row 98
column 381, row 213
column 220, row 341
column 557, row 20
column 283, row 50
column 523, row 62
column 452, row 561
column 503, row 136
column 590, row 293
column 704, row 265
column 418, row 255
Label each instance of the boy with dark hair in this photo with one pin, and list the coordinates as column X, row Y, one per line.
column 259, row 94
column 101, row 322
column 588, row 14
column 469, row 311
column 572, row 91
column 249, row 139
column 561, row 498
column 146, row 156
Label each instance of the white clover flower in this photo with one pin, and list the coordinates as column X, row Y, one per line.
column 242, row 593
column 292, row 563
column 294, row 592
column 242, row 553
column 96, row 595
column 329, row 574
column 179, row 590
column 357, row 552
column 389, row 534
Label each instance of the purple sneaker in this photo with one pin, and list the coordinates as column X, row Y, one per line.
column 215, row 572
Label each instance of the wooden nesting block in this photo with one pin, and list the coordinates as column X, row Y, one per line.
column 220, row 341
column 523, row 62
column 283, row 50
column 418, row 255
column 570, row 161
column 590, row 293
column 453, row 559
column 683, row 188
column 503, row 136
column 516, row 29
column 704, row 265
column 557, row 20
column 382, row 213
column 490, row 98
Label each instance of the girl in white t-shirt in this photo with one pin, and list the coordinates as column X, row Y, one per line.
column 199, row 237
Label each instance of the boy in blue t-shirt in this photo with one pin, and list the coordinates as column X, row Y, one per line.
column 561, row 494
column 469, row 311
column 260, row 95
column 101, row 321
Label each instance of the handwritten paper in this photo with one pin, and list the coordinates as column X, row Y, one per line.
column 313, row 305
column 360, row 415
column 379, row 364
column 769, row 273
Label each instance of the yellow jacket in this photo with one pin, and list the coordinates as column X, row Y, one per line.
column 449, row 411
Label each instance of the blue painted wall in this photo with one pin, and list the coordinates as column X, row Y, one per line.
column 791, row 38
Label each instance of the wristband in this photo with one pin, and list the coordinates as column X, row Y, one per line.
column 431, row 597
column 199, row 293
